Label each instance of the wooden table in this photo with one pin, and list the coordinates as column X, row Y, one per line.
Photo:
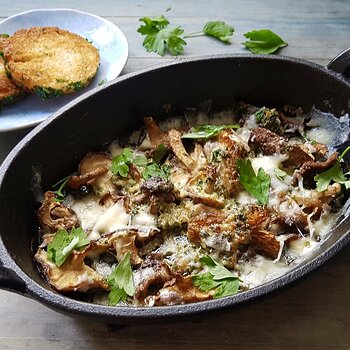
column 311, row 314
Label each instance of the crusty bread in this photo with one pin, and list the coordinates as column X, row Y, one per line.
column 9, row 92
column 50, row 61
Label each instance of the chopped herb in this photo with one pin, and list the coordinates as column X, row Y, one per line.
column 8, row 99
column 140, row 160
column 259, row 114
column 103, row 81
column 280, row 173
column 46, row 93
column 334, row 173
column 257, row 185
column 120, row 163
column 76, row 86
column 4, row 35
column 153, row 169
column 263, row 41
column 217, row 155
column 216, row 29
column 89, row 41
column 218, row 278
column 269, row 119
column 159, row 153
column 160, row 38
column 61, row 191
column 63, row 244
column 121, row 281
column 207, row 131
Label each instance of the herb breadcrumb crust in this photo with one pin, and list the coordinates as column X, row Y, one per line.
column 9, row 92
column 50, row 61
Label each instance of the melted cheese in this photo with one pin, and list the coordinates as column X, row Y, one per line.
column 88, row 210
column 260, row 270
column 144, row 219
column 327, row 129
column 111, row 220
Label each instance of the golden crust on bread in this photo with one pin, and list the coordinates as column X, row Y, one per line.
column 8, row 90
column 50, row 61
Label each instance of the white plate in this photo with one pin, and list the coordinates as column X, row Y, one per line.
column 105, row 36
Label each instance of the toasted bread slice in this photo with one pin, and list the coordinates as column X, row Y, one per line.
column 9, row 92
column 50, row 61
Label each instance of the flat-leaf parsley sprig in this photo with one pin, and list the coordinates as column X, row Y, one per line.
column 218, row 278
column 61, row 189
column 120, row 164
column 64, row 243
column 121, row 281
column 334, row 173
column 216, row 29
column 206, row 132
column 258, row 185
column 263, row 41
column 161, row 38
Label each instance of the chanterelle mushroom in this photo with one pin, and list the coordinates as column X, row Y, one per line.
column 91, row 167
column 53, row 215
column 73, row 275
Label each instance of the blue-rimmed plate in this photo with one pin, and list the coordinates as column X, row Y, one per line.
column 104, row 35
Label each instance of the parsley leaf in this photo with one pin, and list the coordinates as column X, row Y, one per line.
column 280, row 173
column 207, row 131
column 334, row 173
column 63, row 244
column 121, row 281
column 218, row 278
column 259, row 114
column 153, row 169
column 159, row 153
column 216, row 29
column 120, row 163
column 257, row 185
column 263, row 41
column 219, row 30
column 61, row 191
column 160, row 38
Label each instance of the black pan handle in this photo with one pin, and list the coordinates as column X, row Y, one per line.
column 10, row 281
column 341, row 64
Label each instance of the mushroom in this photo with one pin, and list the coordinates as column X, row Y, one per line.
column 54, row 215
column 155, row 191
column 180, row 151
column 201, row 189
column 92, row 166
column 124, row 242
column 265, row 243
column 228, row 177
column 74, row 274
column 155, row 135
column 311, row 168
column 266, row 141
column 180, row 290
column 157, row 284
column 313, row 200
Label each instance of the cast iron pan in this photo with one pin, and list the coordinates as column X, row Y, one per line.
column 98, row 117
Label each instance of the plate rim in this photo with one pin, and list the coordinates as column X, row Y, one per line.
column 123, row 59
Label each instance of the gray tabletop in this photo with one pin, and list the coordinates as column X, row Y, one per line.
column 311, row 314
